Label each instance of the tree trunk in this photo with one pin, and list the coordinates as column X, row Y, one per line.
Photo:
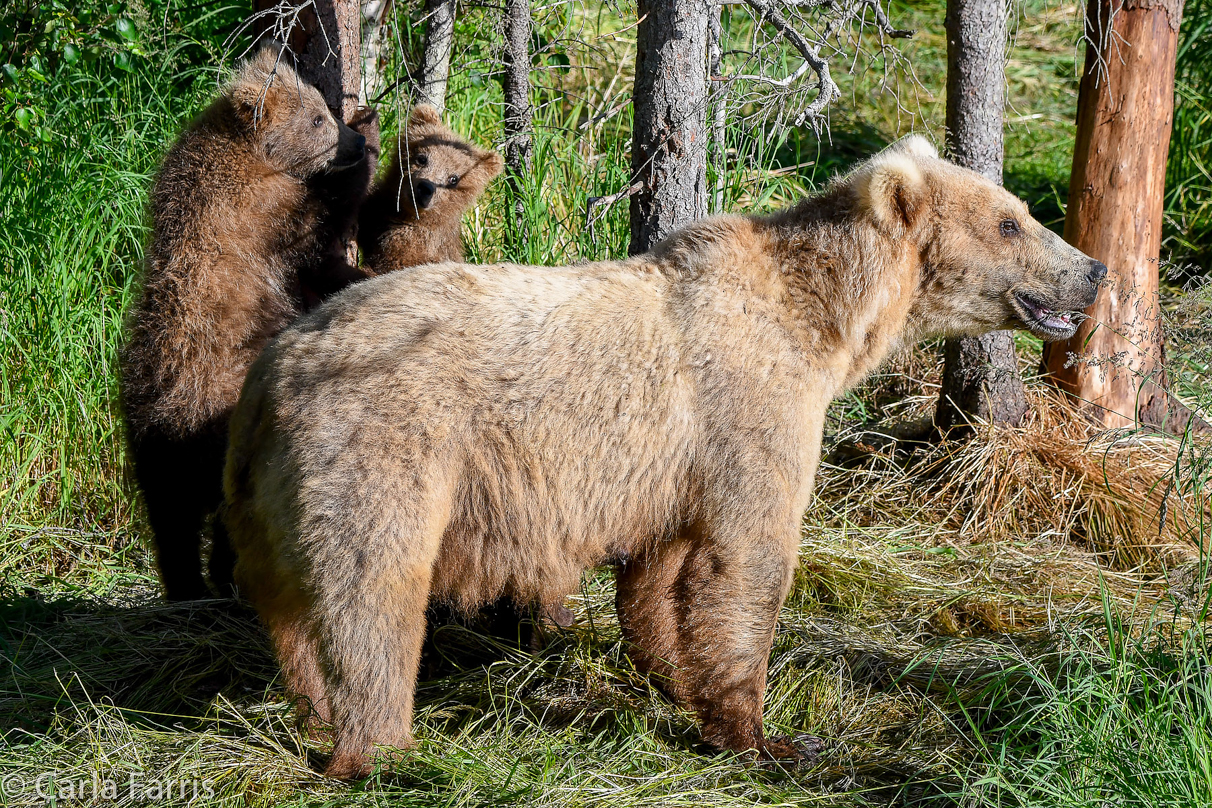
column 518, row 122
column 435, row 60
column 980, row 375
column 1113, row 365
column 669, row 147
column 326, row 39
column 374, row 12
column 719, row 108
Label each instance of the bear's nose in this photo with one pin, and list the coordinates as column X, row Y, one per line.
column 1097, row 272
column 423, row 191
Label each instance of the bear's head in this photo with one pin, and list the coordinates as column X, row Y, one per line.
column 438, row 174
column 288, row 120
column 986, row 263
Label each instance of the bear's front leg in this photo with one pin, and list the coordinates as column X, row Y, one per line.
column 701, row 610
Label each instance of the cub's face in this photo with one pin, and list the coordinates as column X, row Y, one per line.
column 438, row 173
column 290, row 121
column 987, row 264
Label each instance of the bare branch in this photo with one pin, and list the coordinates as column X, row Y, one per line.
column 814, row 44
column 604, row 202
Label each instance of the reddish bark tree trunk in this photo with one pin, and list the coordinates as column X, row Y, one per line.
column 326, row 38
column 1113, row 366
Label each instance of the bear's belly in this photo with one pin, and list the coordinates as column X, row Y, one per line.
column 532, row 545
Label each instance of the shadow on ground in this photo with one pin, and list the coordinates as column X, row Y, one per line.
column 154, row 659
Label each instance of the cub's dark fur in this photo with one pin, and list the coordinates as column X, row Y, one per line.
column 251, row 214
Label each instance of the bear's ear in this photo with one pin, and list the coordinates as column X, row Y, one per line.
column 256, row 76
column 491, row 164
column 424, row 117
column 914, row 146
column 892, row 187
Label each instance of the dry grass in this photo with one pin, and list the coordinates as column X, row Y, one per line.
column 1134, row 498
column 924, row 576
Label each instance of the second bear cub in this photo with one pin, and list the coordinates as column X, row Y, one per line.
column 412, row 216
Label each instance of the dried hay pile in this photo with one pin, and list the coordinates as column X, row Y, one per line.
column 1056, row 507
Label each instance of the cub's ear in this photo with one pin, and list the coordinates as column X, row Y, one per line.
column 256, row 77
column 491, row 163
column 892, row 188
column 424, row 117
column 271, row 60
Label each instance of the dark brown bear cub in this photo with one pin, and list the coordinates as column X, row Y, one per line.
column 412, row 216
column 249, row 214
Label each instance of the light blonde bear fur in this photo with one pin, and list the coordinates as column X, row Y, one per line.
column 461, row 432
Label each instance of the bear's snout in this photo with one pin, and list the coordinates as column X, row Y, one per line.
column 423, row 193
column 1097, row 272
column 351, row 148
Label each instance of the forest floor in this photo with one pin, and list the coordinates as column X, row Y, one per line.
column 1015, row 619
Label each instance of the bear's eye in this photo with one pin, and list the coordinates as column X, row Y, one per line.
column 1009, row 228
column 318, row 121
column 421, row 160
column 453, row 181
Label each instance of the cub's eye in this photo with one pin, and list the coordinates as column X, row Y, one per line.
column 1009, row 228
column 452, row 181
column 420, row 160
column 318, row 122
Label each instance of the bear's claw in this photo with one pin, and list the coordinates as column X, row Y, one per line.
column 793, row 751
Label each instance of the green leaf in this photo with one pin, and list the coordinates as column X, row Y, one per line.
column 71, row 54
column 25, row 117
column 12, row 72
column 126, row 29
column 122, row 61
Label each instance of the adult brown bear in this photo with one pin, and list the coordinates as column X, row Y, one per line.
column 462, row 432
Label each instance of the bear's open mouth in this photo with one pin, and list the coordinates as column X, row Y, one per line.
column 1044, row 321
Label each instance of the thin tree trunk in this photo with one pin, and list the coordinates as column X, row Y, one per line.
column 435, row 60
column 669, row 148
column 374, row 12
column 719, row 109
column 1113, row 365
column 516, row 84
column 980, row 375
column 518, row 121
column 326, row 40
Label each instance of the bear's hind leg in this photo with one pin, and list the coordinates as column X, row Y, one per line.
column 284, row 609
column 708, row 602
column 295, row 646
column 649, row 614
column 222, row 562
column 370, row 612
column 181, row 483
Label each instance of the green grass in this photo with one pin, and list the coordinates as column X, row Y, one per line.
column 945, row 663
